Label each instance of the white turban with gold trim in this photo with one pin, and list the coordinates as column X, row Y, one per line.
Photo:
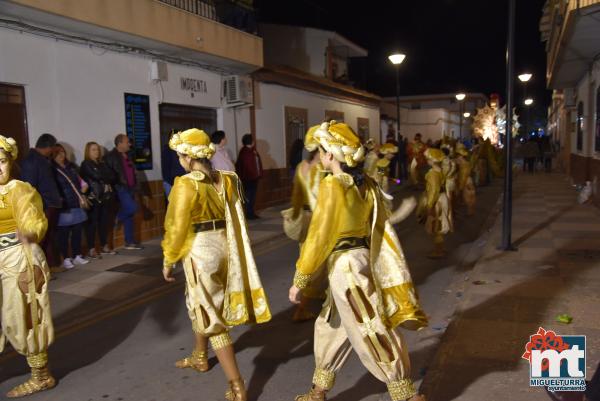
column 341, row 141
column 194, row 143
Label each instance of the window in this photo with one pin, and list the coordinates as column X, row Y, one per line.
column 597, row 128
column 580, row 126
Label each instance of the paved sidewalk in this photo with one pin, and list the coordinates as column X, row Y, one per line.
column 508, row 295
column 85, row 293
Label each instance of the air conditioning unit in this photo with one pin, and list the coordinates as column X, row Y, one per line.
column 158, row 71
column 237, row 90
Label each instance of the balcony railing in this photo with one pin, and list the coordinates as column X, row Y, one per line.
column 237, row 14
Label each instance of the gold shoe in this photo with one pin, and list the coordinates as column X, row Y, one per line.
column 313, row 395
column 237, row 391
column 40, row 380
column 197, row 361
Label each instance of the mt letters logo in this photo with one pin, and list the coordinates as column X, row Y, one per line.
column 556, row 362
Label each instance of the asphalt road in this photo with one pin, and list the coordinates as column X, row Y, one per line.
column 130, row 354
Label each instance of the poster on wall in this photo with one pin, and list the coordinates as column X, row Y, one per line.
column 137, row 127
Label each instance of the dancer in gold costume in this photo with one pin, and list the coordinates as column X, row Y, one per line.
column 450, row 171
column 371, row 159
column 26, row 318
column 387, row 152
column 370, row 289
column 205, row 228
column 417, row 162
column 466, row 188
column 434, row 208
column 297, row 219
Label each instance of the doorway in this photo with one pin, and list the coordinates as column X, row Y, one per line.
column 13, row 116
column 177, row 117
column 295, row 129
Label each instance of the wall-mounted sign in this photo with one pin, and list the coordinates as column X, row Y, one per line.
column 137, row 127
column 193, row 85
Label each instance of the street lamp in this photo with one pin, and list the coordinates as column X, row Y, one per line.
column 460, row 97
column 525, row 77
column 528, row 101
column 466, row 114
column 397, row 59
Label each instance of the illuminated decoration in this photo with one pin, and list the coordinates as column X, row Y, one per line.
column 489, row 122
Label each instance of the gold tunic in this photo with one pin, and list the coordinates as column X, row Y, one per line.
column 223, row 282
column 26, row 325
column 435, row 205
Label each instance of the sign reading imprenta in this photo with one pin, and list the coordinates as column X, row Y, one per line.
column 193, row 85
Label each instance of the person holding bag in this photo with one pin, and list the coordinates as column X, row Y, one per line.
column 73, row 214
column 100, row 178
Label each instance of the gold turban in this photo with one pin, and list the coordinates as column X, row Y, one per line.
column 341, row 141
column 370, row 144
column 194, row 143
column 310, row 143
column 434, row 154
column 461, row 149
column 388, row 148
column 9, row 146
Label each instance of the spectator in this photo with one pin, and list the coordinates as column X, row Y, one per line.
column 221, row 159
column 170, row 166
column 71, row 216
column 36, row 169
column 125, row 187
column 249, row 168
column 547, row 151
column 531, row 153
column 100, row 178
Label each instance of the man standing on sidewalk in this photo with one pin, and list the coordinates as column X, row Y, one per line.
column 249, row 169
column 126, row 187
column 37, row 170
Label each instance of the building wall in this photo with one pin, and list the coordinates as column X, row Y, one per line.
column 77, row 94
column 431, row 123
column 270, row 117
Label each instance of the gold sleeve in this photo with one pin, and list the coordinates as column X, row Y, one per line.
column 178, row 237
column 432, row 187
column 297, row 194
column 28, row 211
column 323, row 231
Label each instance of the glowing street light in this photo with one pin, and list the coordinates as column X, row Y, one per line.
column 466, row 114
column 528, row 101
column 460, row 96
column 525, row 77
column 397, row 58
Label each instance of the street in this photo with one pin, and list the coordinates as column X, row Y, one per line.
column 130, row 353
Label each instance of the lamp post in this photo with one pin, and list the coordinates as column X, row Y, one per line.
column 460, row 97
column 397, row 59
column 524, row 78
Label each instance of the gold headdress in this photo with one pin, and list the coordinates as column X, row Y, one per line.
column 434, row 154
column 370, row 144
column 341, row 141
column 461, row 149
column 388, row 148
column 9, row 146
column 310, row 143
column 194, row 143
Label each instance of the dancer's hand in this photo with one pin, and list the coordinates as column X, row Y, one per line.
column 167, row 274
column 295, row 295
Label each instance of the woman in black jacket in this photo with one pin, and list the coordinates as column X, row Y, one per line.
column 71, row 217
column 100, row 178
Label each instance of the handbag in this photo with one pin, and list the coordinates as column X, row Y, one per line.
column 84, row 202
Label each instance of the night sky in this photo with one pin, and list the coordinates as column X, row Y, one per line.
column 451, row 45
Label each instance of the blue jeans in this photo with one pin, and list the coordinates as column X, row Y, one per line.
column 127, row 210
column 250, row 188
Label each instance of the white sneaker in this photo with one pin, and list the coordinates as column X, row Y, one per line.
column 80, row 260
column 68, row 263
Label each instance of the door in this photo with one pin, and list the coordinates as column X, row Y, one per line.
column 295, row 128
column 13, row 116
column 362, row 128
column 176, row 117
column 334, row 115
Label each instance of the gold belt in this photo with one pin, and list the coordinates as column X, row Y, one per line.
column 347, row 243
column 209, row 225
column 8, row 240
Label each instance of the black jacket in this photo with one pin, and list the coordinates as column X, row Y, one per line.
column 170, row 165
column 97, row 175
column 114, row 160
column 39, row 172
column 71, row 199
